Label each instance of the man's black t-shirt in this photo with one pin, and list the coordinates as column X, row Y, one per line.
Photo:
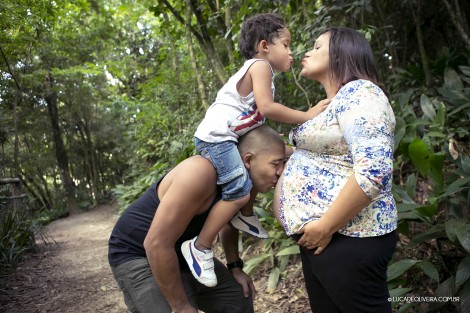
column 127, row 239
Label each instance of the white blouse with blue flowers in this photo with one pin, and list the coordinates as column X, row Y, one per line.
column 353, row 136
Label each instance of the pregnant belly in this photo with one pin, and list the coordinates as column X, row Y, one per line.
column 276, row 200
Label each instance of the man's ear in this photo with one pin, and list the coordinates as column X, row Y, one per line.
column 247, row 159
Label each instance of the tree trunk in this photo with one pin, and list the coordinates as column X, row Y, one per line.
column 200, row 82
column 35, row 189
column 174, row 58
column 93, row 167
column 60, row 151
column 459, row 25
column 225, row 25
column 204, row 39
column 422, row 50
column 16, row 191
column 209, row 47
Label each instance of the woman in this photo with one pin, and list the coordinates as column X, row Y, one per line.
column 335, row 193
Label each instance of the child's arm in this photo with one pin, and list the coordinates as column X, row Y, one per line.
column 261, row 78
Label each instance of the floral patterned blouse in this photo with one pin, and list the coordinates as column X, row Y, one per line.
column 353, row 136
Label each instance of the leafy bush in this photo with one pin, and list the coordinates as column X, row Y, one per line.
column 428, row 156
column 16, row 236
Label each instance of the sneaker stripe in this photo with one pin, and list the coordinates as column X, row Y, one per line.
column 196, row 267
column 251, row 227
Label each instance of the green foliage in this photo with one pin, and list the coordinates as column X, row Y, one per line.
column 424, row 152
column 128, row 194
column 16, row 236
column 129, row 105
column 47, row 216
column 278, row 249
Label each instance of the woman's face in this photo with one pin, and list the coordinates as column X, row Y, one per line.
column 315, row 63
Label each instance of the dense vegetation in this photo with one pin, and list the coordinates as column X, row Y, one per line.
column 102, row 96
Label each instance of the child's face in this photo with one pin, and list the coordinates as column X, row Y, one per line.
column 279, row 53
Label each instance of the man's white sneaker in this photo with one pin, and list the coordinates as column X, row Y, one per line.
column 249, row 224
column 201, row 263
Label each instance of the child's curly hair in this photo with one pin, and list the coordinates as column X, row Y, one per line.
column 256, row 28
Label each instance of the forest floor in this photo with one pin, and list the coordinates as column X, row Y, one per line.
column 70, row 273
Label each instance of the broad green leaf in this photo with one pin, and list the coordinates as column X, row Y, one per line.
column 440, row 119
column 400, row 131
column 273, row 279
column 456, row 186
column 465, row 69
column 453, row 226
column 405, row 308
column 402, row 195
column 436, row 231
column 251, row 264
column 414, row 211
column 294, row 249
column 452, row 79
column 436, row 134
column 463, row 234
column 428, row 210
column 464, row 297
column 465, row 164
column 463, row 272
column 411, row 185
column 404, row 97
column 419, row 154
column 398, row 292
column 446, row 288
column 427, row 107
column 398, row 268
column 436, row 162
column 429, row 269
column 460, row 108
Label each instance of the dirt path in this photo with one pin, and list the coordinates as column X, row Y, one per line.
column 70, row 273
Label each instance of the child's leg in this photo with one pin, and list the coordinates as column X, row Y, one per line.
column 236, row 185
column 247, row 209
column 221, row 214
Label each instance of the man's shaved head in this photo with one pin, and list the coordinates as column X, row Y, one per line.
column 259, row 140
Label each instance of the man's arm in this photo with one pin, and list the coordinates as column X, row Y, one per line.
column 186, row 194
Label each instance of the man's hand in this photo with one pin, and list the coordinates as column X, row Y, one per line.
column 245, row 281
column 314, row 236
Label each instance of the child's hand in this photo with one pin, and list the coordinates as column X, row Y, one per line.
column 318, row 108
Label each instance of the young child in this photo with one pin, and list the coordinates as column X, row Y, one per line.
column 242, row 104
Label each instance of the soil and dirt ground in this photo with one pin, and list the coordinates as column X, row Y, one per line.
column 70, row 273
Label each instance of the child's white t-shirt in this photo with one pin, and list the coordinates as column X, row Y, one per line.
column 231, row 115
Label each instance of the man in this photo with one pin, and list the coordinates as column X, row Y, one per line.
column 145, row 245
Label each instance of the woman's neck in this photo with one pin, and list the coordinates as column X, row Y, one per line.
column 331, row 88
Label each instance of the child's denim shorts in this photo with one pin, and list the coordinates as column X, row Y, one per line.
column 232, row 175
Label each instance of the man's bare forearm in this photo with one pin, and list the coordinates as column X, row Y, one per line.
column 229, row 239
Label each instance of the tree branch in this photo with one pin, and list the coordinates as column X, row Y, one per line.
column 460, row 29
column 9, row 68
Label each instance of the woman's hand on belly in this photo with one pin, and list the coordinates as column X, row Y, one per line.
column 314, row 236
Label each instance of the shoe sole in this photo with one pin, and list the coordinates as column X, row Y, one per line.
column 240, row 224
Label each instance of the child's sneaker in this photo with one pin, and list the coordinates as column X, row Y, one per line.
column 201, row 263
column 249, row 224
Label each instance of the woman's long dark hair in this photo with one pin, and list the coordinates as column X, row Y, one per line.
column 351, row 57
